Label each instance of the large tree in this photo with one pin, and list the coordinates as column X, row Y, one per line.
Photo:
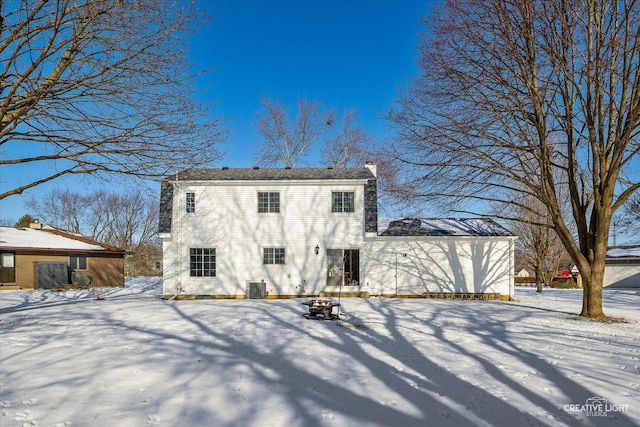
column 287, row 140
column 515, row 93
column 348, row 146
column 100, row 87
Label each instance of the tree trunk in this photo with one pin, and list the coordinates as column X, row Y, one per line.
column 592, row 298
column 538, row 279
column 592, row 287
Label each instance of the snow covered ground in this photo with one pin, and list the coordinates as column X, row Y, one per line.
column 132, row 359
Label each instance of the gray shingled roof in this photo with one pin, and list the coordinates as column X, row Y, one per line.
column 271, row 174
column 626, row 251
column 441, row 227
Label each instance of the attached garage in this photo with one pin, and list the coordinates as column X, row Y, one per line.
column 471, row 258
column 622, row 269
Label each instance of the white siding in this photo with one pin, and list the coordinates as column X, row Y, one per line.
column 418, row 265
column 226, row 218
column 622, row 275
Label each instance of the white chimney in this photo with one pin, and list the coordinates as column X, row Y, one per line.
column 35, row 224
column 372, row 167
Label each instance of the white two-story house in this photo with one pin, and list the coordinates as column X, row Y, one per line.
column 236, row 233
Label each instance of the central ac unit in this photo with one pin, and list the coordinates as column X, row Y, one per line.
column 257, row 290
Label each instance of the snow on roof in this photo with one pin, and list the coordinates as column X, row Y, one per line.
column 441, row 227
column 30, row 238
column 624, row 252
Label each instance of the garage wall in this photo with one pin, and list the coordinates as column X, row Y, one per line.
column 622, row 275
column 107, row 270
column 393, row 266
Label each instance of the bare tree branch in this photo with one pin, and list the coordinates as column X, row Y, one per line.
column 101, row 87
column 285, row 142
column 127, row 221
column 347, row 146
column 539, row 96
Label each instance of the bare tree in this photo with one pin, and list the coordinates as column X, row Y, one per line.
column 347, row 147
column 627, row 221
column 514, row 94
column 128, row 221
column 285, row 142
column 100, row 87
column 539, row 244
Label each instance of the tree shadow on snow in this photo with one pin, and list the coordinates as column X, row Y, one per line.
column 423, row 392
column 232, row 363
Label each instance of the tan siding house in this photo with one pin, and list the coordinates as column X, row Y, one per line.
column 44, row 258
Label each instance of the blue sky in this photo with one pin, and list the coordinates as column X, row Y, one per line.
column 345, row 53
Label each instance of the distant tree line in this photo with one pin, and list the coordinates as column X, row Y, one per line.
column 126, row 220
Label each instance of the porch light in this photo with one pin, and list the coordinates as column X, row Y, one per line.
column 317, row 249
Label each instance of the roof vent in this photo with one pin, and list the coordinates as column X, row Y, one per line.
column 256, row 167
column 287, row 167
column 330, row 167
column 225, row 168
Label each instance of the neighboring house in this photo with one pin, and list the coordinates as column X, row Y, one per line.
column 236, row 233
column 523, row 273
column 622, row 268
column 45, row 258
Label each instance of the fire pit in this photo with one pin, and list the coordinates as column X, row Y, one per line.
column 321, row 309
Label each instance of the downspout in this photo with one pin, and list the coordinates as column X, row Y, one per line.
column 396, row 275
column 178, row 242
column 511, row 268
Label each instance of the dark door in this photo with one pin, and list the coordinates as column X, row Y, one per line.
column 343, row 267
column 7, row 267
column 51, row 275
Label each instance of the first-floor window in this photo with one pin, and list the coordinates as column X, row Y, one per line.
column 202, row 262
column 273, row 256
column 78, row 261
column 6, row 260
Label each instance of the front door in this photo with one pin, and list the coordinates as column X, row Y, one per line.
column 7, row 267
column 343, row 267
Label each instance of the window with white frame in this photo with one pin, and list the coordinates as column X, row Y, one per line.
column 273, row 256
column 268, row 202
column 78, row 261
column 202, row 262
column 191, row 202
column 342, row 201
column 7, row 260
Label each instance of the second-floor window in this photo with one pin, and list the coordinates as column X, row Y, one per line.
column 273, row 256
column 342, row 201
column 191, row 202
column 268, row 202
